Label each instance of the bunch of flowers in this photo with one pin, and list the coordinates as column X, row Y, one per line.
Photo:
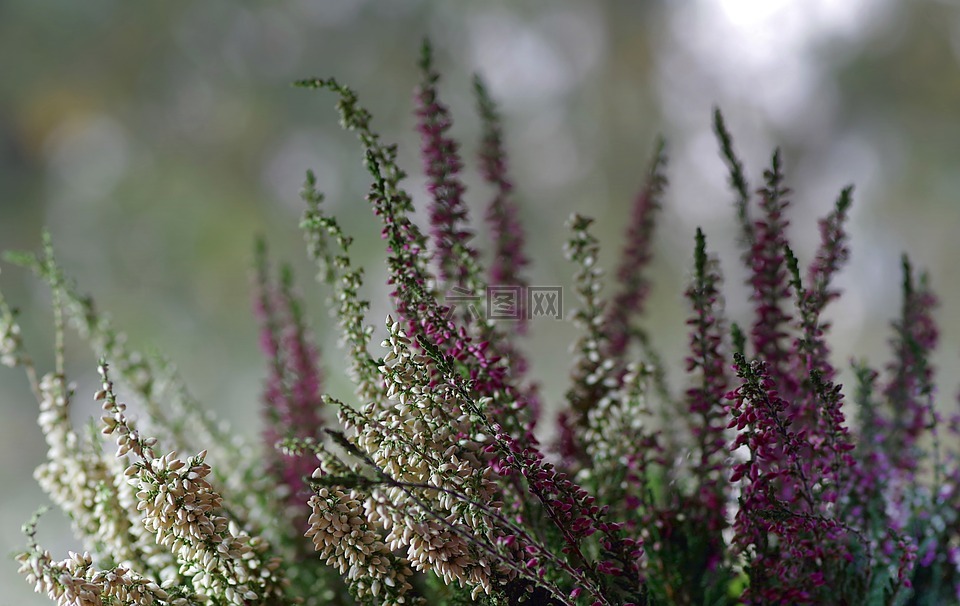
column 431, row 486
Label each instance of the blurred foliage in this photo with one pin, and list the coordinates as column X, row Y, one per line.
column 156, row 140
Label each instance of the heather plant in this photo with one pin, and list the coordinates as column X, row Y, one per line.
column 429, row 484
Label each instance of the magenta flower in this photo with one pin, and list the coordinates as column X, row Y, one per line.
column 628, row 304
column 770, row 290
column 442, row 165
column 508, row 257
column 705, row 400
column 788, row 491
column 292, row 392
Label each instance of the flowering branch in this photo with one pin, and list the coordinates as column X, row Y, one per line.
column 456, row 261
column 707, row 416
column 292, row 396
column 630, row 301
column 180, row 506
column 509, row 258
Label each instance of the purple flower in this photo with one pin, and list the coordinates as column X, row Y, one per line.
column 292, row 392
column 705, row 401
column 786, row 483
column 508, row 257
column 910, row 389
column 442, row 165
column 768, row 277
column 629, row 302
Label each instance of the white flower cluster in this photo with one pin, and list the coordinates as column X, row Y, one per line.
column 85, row 483
column 75, row 582
column 441, row 489
column 345, row 538
column 426, row 438
column 590, row 370
column 621, row 443
column 180, row 507
column 618, row 424
column 11, row 343
column 174, row 416
column 157, row 523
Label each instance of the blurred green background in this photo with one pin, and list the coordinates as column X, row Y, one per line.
column 157, row 140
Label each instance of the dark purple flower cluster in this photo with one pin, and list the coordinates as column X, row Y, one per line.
column 707, row 417
column 788, row 495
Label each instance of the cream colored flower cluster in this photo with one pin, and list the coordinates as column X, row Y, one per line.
column 347, row 540
column 437, row 490
column 155, row 523
column 84, row 482
column 11, row 343
column 425, row 438
column 619, row 422
column 180, row 507
column 75, row 582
